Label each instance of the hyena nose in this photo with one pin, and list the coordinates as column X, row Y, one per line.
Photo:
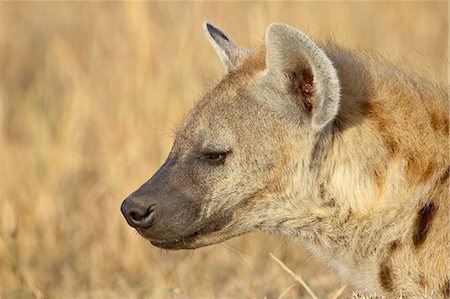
column 137, row 213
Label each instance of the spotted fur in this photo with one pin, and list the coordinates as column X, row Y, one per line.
column 342, row 151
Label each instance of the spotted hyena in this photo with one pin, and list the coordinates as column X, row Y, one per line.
column 344, row 152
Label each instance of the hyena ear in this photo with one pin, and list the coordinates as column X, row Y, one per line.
column 228, row 52
column 295, row 61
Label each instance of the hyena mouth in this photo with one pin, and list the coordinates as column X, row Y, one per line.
column 210, row 233
column 182, row 243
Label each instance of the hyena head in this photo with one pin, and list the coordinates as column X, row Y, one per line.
column 241, row 161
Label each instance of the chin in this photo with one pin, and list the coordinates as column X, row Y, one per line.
column 193, row 241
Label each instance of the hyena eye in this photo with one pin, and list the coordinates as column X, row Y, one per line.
column 214, row 158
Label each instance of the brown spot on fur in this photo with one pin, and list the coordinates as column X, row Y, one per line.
column 331, row 203
column 392, row 145
column 376, row 113
column 366, row 108
column 323, row 192
column 249, row 200
column 393, row 246
column 423, row 223
column 421, row 280
column 444, row 176
column 446, row 288
column 386, row 276
column 428, row 173
column 412, row 167
column 328, row 201
column 419, row 171
column 439, row 122
column 349, row 216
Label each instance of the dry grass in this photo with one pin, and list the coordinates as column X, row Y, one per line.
column 90, row 95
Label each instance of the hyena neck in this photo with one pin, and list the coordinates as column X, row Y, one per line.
column 339, row 208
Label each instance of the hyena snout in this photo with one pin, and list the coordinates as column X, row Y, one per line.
column 138, row 213
column 159, row 211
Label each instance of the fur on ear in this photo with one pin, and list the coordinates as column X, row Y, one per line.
column 228, row 52
column 293, row 55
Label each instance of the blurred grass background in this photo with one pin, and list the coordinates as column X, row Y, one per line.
column 91, row 94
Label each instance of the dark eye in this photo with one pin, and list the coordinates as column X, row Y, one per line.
column 214, row 158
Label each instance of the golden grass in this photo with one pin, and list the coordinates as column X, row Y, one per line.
column 90, row 95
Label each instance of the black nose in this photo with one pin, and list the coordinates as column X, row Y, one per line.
column 137, row 213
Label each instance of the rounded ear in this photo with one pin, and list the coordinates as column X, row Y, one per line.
column 293, row 55
column 228, row 52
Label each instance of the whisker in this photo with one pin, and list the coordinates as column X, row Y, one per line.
column 236, row 254
column 238, row 249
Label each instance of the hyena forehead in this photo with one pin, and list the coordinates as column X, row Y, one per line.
column 226, row 115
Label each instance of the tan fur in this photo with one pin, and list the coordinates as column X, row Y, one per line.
column 367, row 190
